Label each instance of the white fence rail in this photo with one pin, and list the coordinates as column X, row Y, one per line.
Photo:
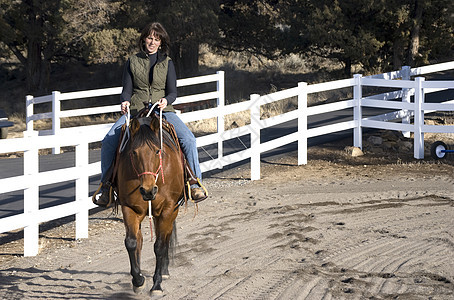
column 33, row 179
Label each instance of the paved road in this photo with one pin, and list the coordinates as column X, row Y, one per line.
column 12, row 203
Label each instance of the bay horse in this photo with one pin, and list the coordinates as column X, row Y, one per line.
column 149, row 170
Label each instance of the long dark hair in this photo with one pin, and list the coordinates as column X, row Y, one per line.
column 159, row 30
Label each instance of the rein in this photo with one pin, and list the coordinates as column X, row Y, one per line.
column 127, row 134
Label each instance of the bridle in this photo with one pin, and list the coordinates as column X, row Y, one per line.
column 155, row 174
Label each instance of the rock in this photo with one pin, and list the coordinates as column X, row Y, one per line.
column 404, row 145
column 377, row 150
column 375, row 140
column 389, row 145
column 354, row 151
column 390, row 136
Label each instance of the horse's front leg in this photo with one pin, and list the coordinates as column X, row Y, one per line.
column 133, row 243
column 164, row 228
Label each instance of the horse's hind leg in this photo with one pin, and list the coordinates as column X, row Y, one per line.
column 170, row 253
column 133, row 243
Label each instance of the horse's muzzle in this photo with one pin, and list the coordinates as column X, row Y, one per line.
column 149, row 195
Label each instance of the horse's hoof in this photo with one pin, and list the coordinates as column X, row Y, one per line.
column 156, row 293
column 167, row 276
column 139, row 289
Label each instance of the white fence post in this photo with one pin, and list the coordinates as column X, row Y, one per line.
column 56, row 108
column 357, row 112
column 302, row 123
column 419, row 119
column 406, row 98
column 31, row 196
column 28, row 113
column 82, row 183
column 221, row 116
column 255, row 137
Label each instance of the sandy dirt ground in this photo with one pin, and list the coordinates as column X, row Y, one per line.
column 340, row 227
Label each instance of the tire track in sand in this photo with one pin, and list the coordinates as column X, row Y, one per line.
column 387, row 262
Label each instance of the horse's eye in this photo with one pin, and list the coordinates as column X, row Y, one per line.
column 134, row 153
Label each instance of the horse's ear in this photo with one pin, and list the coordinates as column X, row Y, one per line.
column 135, row 125
column 154, row 124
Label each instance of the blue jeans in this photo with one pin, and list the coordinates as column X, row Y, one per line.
column 185, row 137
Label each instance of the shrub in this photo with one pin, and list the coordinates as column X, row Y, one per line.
column 109, row 46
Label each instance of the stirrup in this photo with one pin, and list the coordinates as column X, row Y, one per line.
column 190, row 194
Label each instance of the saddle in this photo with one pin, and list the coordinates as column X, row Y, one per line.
column 168, row 130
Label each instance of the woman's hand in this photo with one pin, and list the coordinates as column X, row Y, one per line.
column 124, row 107
column 162, row 103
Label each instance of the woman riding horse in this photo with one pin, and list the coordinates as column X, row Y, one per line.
column 149, row 76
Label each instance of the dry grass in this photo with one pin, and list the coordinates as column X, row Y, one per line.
column 242, row 118
column 290, row 64
column 19, row 127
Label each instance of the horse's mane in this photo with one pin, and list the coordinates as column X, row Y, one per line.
column 146, row 135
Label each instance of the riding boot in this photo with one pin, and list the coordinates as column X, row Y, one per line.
column 197, row 194
column 197, row 191
column 104, row 196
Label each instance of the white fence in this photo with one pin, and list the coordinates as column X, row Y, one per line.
column 33, row 179
column 56, row 99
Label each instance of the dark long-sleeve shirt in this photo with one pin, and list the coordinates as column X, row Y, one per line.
column 171, row 81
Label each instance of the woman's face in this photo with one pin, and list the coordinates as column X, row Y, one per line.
column 152, row 43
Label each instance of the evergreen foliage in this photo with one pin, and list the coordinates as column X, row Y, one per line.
column 42, row 32
column 109, row 45
column 372, row 35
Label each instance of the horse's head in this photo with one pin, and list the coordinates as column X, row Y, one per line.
column 145, row 156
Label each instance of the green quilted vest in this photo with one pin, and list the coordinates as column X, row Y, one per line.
column 142, row 90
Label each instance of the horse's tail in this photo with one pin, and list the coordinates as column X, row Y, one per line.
column 173, row 242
